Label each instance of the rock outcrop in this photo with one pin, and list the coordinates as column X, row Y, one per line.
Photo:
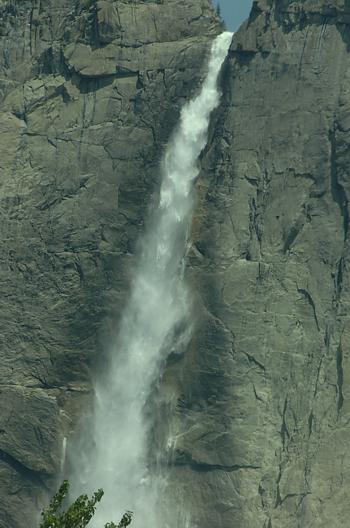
column 89, row 93
column 264, row 391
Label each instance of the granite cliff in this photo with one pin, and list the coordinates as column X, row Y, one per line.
column 89, row 94
column 266, row 384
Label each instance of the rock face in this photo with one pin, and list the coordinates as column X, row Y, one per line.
column 264, row 390
column 90, row 92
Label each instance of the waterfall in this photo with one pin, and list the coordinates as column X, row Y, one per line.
column 154, row 323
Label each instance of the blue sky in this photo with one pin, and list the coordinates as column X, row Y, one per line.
column 234, row 12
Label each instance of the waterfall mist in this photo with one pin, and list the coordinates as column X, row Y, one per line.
column 155, row 321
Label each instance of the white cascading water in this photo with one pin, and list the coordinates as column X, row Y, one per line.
column 153, row 324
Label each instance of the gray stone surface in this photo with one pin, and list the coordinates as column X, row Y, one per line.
column 263, row 395
column 259, row 404
column 89, row 93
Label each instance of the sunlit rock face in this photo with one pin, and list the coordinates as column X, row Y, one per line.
column 258, row 405
column 264, row 388
column 90, row 92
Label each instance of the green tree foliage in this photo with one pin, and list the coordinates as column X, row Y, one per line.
column 78, row 514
